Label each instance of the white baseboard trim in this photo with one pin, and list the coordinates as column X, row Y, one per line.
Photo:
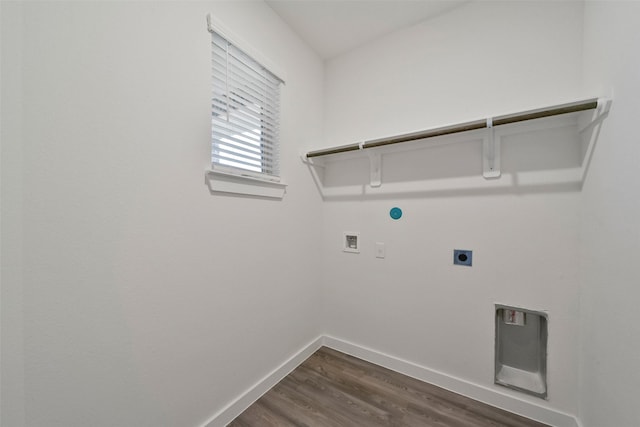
column 474, row 391
column 242, row 402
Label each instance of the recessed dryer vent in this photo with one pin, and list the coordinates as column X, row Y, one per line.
column 521, row 350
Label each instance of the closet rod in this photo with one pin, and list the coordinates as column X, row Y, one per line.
column 555, row 110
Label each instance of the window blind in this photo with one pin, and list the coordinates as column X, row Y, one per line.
column 245, row 113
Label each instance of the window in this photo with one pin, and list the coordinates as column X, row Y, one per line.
column 245, row 113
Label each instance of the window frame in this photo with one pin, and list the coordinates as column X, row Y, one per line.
column 232, row 179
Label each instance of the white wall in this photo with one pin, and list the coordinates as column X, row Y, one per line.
column 483, row 59
column 146, row 300
column 610, row 348
column 11, row 340
column 480, row 59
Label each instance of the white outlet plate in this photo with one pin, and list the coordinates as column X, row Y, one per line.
column 380, row 250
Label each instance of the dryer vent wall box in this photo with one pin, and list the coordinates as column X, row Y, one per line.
column 521, row 350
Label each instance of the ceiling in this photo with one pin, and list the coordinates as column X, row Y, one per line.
column 333, row 27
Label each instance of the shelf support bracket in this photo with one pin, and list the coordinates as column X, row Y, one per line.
column 310, row 162
column 375, row 162
column 491, row 153
column 602, row 111
column 317, row 172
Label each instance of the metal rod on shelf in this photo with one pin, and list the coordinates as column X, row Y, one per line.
column 447, row 130
column 573, row 107
column 333, row 150
column 556, row 110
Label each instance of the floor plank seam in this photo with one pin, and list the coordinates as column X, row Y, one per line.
column 334, row 389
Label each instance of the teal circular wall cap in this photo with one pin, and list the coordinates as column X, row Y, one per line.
column 395, row 213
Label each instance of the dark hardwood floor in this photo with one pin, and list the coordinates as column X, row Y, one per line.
column 334, row 389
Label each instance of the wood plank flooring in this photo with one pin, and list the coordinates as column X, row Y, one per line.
column 334, row 389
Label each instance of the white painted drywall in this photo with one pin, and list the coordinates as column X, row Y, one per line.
column 610, row 339
column 481, row 59
column 11, row 338
column 145, row 299
column 484, row 58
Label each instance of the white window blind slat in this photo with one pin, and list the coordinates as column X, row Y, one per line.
column 258, row 81
column 244, row 63
column 255, row 159
column 236, row 125
column 245, row 112
column 244, row 74
column 221, row 49
column 243, row 147
column 242, row 90
column 247, row 120
column 245, row 144
column 247, row 107
column 234, row 159
column 243, row 87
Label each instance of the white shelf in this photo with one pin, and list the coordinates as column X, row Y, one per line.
column 489, row 131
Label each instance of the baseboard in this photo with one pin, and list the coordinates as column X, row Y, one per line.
column 235, row 408
column 474, row 391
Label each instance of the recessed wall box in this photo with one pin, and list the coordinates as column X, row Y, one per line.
column 521, row 350
column 351, row 242
column 462, row 257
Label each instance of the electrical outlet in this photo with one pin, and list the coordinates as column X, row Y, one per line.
column 462, row 257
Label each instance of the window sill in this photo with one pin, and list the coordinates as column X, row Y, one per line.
column 221, row 182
